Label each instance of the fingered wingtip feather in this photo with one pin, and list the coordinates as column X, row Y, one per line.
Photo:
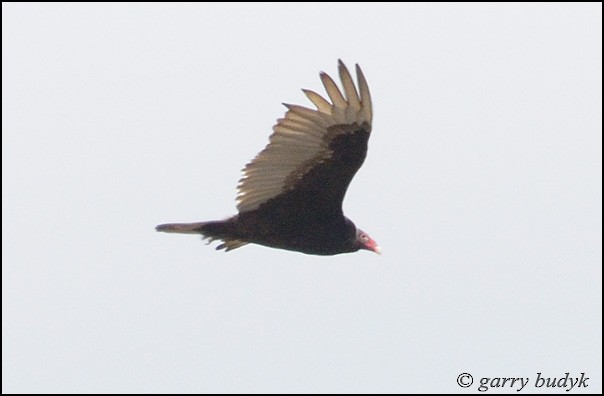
column 333, row 91
column 352, row 97
column 322, row 105
column 365, row 94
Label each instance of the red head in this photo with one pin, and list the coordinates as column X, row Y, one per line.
column 364, row 241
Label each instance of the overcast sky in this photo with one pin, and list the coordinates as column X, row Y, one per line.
column 482, row 185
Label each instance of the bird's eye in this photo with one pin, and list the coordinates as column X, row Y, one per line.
column 364, row 238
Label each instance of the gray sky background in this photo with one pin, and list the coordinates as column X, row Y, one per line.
column 483, row 186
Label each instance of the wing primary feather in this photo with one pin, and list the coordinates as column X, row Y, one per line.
column 349, row 89
column 322, row 105
column 333, row 91
column 365, row 95
column 318, row 118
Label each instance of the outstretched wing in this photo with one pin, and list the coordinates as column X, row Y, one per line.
column 312, row 155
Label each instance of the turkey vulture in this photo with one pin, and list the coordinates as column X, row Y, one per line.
column 290, row 196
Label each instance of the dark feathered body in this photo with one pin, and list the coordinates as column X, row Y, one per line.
column 321, row 237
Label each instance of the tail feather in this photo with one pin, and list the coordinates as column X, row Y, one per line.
column 181, row 228
column 211, row 231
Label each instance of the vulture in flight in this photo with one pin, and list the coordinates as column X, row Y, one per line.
column 290, row 196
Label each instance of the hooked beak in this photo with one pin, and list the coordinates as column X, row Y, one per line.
column 373, row 246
